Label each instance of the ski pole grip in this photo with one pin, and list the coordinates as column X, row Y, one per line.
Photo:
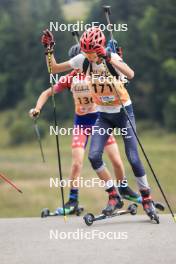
column 107, row 9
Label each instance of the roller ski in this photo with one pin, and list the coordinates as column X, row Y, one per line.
column 111, row 210
column 71, row 208
column 90, row 218
column 128, row 194
column 149, row 206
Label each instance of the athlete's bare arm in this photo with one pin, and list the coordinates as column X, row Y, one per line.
column 123, row 68
column 35, row 112
column 58, row 67
column 43, row 99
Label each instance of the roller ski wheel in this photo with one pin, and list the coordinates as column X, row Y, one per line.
column 159, row 206
column 90, row 218
column 45, row 212
column 154, row 218
column 132, row 209
column 152, row 214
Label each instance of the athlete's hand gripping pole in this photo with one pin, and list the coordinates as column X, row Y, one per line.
column 107, row 14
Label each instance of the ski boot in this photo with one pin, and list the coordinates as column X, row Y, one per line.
column 148, row 205
column 128, row 194
column 70, row 208
column 114, row 202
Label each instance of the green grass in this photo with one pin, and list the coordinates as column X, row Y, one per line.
column 23, row 165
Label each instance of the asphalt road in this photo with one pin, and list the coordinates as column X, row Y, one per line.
column 120, row 240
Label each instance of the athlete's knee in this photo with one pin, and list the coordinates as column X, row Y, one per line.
column 95, row 159
column 77, row 166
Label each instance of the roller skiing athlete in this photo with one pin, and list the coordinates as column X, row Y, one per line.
column 85, row 117
column 103, row 62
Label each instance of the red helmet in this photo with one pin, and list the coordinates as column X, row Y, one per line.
column 90, row 38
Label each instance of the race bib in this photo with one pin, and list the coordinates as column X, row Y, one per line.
column 83, row 100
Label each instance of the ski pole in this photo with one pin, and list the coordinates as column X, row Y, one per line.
column 9, row 182
column 75, row 34
column 57, row 137
column 107, row 11
column 107, row 14
column 39, row 138
column 37, row 132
